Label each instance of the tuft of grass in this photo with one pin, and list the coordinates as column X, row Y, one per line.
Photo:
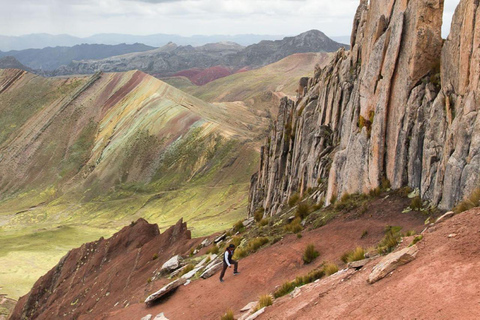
column 410, row 233
column 364, row 234
column 310, row 254
column 187, row 269
column 288, row 286
column 263, row 222
column 285, row 289
column 390, row 240
column 299, row 236
column 469, row 202
column 149, row 280
column 251, row 247
column 330, row 268
column 294, row 198
column 213, row 250
column 236, row 241
column 375, row 192
column 303, row 210
column 155, row 256
column 258, row 215
column 294, row 226
column 263, row 301
column 415, row 240
column 354, row 255
column 228, row 315
column 385, row 184
column 350, row 201
column 416, row 203
column 238, row 226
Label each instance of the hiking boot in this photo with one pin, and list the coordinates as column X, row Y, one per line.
column 235, row 273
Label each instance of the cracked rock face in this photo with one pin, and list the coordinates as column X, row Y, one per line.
column 401, row 105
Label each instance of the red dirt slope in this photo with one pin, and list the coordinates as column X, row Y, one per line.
column 443, row 282
column 103, row 274
column 270, row 267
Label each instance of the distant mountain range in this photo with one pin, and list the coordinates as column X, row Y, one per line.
column 170, row 59
column 42, row 40
column 51, row 58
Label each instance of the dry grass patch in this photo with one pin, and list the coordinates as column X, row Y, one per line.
column 227, row 316
column 469, row 202
column 330, row 268
column 354, row 255
column 310, row 254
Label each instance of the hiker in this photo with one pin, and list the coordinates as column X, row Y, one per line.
column 228, row 261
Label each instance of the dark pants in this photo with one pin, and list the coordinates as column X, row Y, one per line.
column 225, row 266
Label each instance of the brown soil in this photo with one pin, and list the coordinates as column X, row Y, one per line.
column 443, row 282
column 263, row 271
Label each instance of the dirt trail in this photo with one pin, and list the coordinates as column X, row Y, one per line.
column 268, row 268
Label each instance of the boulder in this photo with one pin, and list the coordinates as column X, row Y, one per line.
column 178, row 271
column 447, row 215
column 220, row 238
column 391, row 262
column 358, row 264
column 247, row 223
column 147, row 317
column 172, row 264
column 256, row 314
column 249, row 306
column 206, row 243
column 160, row 316
column 212, row 270
column 167, row 289
column 190, row 274
column 213, row 260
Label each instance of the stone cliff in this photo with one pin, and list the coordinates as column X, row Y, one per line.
column 400, row 106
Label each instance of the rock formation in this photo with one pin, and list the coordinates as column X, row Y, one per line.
column 400, row 106
column 103, row 274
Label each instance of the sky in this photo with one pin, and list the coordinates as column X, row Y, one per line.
column 184, row 17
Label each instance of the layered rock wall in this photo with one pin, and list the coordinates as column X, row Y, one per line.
column 401, row 106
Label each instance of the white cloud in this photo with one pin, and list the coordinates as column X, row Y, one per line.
column 185, row 17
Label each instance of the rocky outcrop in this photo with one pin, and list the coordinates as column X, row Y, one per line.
column 392, row 262
column 165, row 290
column 100, row 275
column 401, row 106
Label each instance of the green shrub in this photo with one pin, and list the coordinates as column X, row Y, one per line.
column 303, row 210
column 264, row 301
column 294, row 198
column 285, row 289
column 416, row 203
column 375, row 192
column 354, row 255
column 155, row 256
column 390, row 240
column 416, row 239
column 258, row 215
column 236, row 241
column 330, row 268
column 254, row 244
column 238, row 226
column 228, row 316
column 187, row 269
column 213, row 250
column 310, row 254
column 240, row 253
column 469, row 202
column 294, row 226
column 251, row 247
column 263, row 222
